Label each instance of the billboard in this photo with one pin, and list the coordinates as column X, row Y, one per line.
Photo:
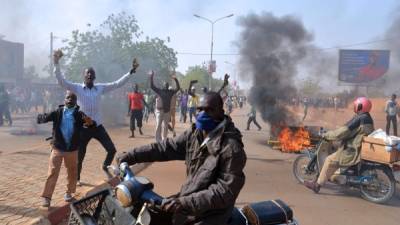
column 361, row 66
column 11, row 60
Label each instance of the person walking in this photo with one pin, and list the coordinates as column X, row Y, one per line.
column 184, row 106
column 391, row 110
column 4, row 106
column 89, row 98
column 136, row 105
column 163, row 106
column 252, row 118
column 173, row 113
column 305, row 105
column 192, row 104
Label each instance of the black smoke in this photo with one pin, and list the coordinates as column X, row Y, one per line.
column 271, row 48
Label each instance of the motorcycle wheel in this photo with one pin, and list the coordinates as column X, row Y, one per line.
column 300, row 171
column 381, row 188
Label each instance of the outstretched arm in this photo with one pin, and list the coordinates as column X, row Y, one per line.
column 190, row 87
column 226, row 82
column 152, row 86
column 59, row 76
column 178, row 87
column 169, row 149
column 121, row 81
column 46, row 117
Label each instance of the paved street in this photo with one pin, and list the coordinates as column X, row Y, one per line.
column 23, row 163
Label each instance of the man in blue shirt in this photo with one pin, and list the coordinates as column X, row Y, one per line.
column 68, row 122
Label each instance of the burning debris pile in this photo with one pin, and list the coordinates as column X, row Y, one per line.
column 294, row 139
column 271, row 49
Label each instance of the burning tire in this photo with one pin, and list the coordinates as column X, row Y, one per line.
column 300, row 170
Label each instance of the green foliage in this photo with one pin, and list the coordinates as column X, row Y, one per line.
column 111, row 48
column 200, row 74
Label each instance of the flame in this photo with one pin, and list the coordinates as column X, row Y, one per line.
column 294, row 141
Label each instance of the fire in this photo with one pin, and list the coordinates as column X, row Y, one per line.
column 294, row 140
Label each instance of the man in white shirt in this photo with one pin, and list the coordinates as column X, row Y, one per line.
column 89, row 99
column 391, row 114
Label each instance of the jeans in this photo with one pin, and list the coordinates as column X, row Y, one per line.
column 183, row 115
column 100, row 134
column 393, row 120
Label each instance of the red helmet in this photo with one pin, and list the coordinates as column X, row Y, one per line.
column 362, row 105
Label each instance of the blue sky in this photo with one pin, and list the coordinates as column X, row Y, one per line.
column 333, row 23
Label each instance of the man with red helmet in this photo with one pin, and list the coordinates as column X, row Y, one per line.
column 350, row 135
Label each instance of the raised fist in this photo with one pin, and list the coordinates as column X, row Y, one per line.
column 135, row 65
column 57, row 56
column 226, row 78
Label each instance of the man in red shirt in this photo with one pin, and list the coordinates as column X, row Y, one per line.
column 136, row 105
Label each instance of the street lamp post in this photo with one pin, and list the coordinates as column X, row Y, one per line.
column 212, row 41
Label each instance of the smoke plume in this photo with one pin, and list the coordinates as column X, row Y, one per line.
column 392, row 35
column 271, row 48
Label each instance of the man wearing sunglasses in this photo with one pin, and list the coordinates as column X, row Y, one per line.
column 213, row 152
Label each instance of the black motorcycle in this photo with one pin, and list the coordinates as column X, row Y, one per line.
column 133, row 202
column 374, row 180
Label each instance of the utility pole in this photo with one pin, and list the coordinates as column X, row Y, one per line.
column 211, row 64
column 51, row 54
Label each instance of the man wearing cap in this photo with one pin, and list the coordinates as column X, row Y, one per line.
column 214, row 156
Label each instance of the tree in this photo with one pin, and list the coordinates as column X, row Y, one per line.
column 111, row 48
column 200, row 74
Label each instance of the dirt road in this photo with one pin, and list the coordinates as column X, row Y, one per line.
column 269, row 176
column 268, row 173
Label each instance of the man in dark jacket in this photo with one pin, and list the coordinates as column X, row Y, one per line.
column 215, row 158
column 163, row 105
column 67, row 125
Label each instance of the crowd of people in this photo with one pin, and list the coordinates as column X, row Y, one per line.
column 80, row 119
column 212, row 147
column 19, row 100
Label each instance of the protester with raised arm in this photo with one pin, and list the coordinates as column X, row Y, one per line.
column 89, row 99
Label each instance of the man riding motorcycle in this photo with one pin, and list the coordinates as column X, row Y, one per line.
column 350, row 135
column 214, row 155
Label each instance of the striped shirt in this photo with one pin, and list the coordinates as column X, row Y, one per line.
column 89, row 99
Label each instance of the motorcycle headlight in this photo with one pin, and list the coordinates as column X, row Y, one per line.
column 129, row 191
column 123, row 195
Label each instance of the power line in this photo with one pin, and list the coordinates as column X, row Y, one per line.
column 319, row 49
column 192, row 53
